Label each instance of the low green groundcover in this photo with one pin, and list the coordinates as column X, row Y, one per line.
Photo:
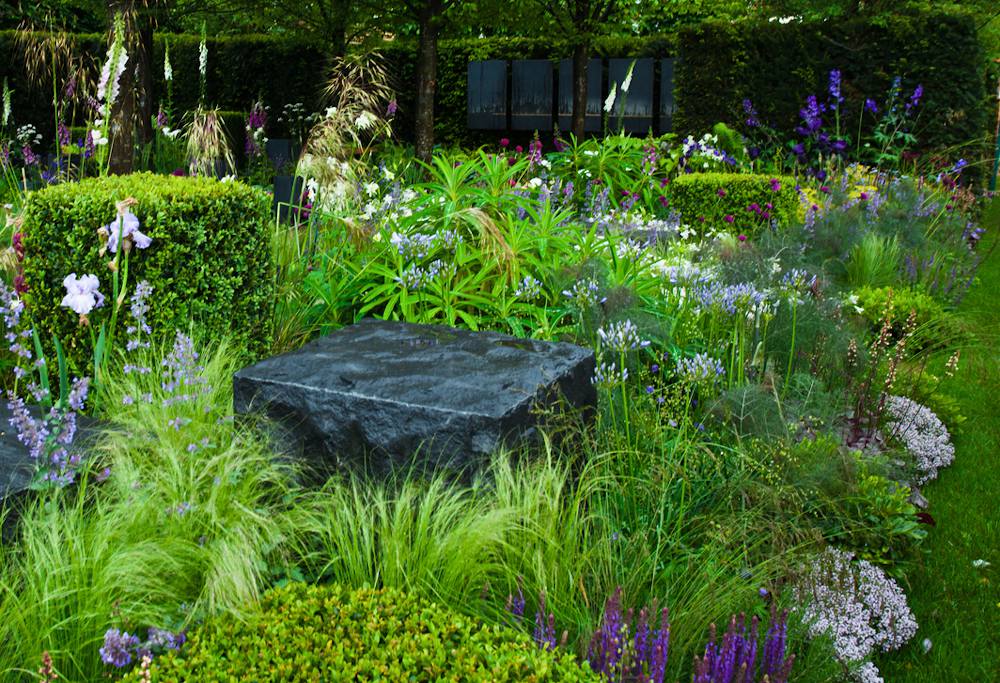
column 330, row 633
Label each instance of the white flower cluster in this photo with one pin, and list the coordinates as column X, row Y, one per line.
column 858, row 606
column 922, row 434
column 108, row 86
column 203, row 58
column 28, row 135
column 6, row 104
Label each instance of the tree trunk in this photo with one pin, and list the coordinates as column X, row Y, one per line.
column 123, row 112
column 338, row 27
column 144, row 79
column 581, row 61
column 426, row 78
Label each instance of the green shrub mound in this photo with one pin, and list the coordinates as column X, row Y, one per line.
column 209, row 262
column 708, row 198
column 331, row 633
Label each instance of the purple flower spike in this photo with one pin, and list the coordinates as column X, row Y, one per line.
column 835, row 96
column 118, row 648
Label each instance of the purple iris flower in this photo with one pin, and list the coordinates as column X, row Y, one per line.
column 128, row 224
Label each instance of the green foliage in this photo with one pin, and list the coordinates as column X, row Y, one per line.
column 173, row 533
column 209, row 263
column 309, row 633
column 276, row 69
column 710, row 197
column 874, row 261
column 850, row 501
column 778, row 65
column 896, row 304
column 934, row 326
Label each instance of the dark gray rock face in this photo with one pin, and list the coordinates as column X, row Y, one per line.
column 386, row 391
column 16, row 467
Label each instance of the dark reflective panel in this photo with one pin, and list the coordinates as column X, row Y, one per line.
column 595, row 98
column 487, row 93
column 531, row 95
column 638, row 101
column 667, row 103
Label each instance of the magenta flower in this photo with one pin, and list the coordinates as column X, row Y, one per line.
column 127, row 224
column 81, row 293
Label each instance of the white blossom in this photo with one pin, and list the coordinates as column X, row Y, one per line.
column 168, row 70
column 610, row 101
column 627, row 83
column 858, row 606
column 922, row 434
column 203, row 58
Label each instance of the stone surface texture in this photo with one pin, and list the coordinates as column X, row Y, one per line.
column 16, row 466
column 390, row 394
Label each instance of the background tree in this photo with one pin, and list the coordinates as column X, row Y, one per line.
column 581, row 20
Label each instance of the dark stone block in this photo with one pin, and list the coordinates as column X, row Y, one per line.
column 281, row 152
column 634, row 108
column 487, row 95
column 531, row 95
column 16, row 467
column 377, row 393
column 287, row 194
column 668, row 103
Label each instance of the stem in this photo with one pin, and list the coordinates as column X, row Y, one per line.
column 791, row 351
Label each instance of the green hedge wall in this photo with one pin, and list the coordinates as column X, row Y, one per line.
column 209, row 261
column 775, row 65
column 778, row 66
column 279, row 70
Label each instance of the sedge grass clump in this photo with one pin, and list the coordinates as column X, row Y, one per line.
column 175, row 520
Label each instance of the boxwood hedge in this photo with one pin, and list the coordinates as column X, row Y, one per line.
column 331, row 633
column 209, row 261
column 750, row 200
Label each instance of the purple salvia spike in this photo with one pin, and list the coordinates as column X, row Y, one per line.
column 640, row 645
column 550, row 632
column 539, row 633
column 750, row 658
column 661, row 648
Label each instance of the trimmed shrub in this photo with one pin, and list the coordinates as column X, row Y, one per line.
column 209, row 262
column 331, row 633
column 751, row 201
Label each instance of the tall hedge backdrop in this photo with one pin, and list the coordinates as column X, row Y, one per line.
column 720, row 64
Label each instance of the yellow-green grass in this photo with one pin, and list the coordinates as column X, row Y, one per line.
column 956, row 602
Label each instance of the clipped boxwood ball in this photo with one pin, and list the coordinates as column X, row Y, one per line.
column 743, row 203
column 331, row 633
